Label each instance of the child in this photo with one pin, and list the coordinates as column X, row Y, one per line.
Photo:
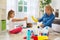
column 11, row 19
column 48, row 17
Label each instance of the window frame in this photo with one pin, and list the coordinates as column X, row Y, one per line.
column 22, row 6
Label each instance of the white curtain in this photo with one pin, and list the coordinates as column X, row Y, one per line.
column 32, row 9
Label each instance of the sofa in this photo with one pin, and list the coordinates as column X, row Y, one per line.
column 56, row 25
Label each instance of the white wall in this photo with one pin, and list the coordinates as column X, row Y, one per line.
column 3, row 9
column 11, row 4
column 56, row 5
column 33, row 9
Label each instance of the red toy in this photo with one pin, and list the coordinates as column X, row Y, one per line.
column 32, row 37
column 35, row 38
column 25, row 37
column 16, row 30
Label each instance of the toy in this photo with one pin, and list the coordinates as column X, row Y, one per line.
column 29, row 25
column 25, row 37
column 32, row 34
column 45, row 31
column 16, row 30
column 28, row 35
column 42, row 37
column 35, row 38
column 34, row 19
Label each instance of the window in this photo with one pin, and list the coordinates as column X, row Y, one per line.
column 22, row 6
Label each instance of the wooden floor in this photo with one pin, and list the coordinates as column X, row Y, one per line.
column 6, row 36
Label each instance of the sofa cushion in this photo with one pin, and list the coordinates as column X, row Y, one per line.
column 56, row 21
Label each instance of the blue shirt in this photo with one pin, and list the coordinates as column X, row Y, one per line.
column 47, row 19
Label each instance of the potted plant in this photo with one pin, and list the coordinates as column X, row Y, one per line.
column 43, row 3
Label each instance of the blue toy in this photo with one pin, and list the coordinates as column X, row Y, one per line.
column 28, row 35
column 45, row 31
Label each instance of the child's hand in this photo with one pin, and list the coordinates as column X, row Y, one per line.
column 42, row 25
column 25, row 18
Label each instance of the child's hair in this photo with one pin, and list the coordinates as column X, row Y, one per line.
column 9, row 13
column 49, row 7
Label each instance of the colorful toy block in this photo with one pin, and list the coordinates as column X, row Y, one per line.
column 35, row 38
column 42, row 37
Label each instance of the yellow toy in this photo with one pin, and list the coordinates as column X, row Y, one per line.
column 39, row 37
column 34, row 19
column 42, row 37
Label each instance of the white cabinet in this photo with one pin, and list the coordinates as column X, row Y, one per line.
column 0, row 20
column 3, row 9
column 2, row 12
column 2, row 4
